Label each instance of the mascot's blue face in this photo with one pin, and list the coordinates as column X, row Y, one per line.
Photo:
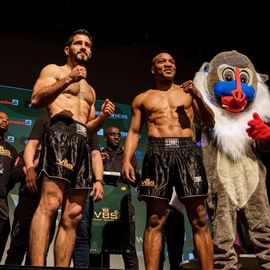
column 232, row 81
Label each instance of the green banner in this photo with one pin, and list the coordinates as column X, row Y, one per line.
column 107, row 216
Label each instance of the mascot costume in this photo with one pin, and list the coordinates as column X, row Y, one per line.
column 240, row 99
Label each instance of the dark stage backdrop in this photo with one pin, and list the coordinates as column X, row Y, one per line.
column 16, row 103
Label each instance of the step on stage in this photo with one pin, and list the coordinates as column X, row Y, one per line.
column 19, row 267
column 245, row 262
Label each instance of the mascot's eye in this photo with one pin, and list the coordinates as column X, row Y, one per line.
column 244, row 77
column 228, row 74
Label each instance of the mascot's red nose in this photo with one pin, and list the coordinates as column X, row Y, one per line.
column 237, row 101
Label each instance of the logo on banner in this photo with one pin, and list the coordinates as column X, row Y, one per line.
column 10, row 139
column 100, row 132
column 26, row 122
column 115, row 115
column 106, row 215
column 13, row 102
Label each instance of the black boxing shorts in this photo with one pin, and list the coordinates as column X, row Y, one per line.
column 66, row 155
column 172, row 162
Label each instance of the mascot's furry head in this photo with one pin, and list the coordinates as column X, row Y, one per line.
column 234, row 90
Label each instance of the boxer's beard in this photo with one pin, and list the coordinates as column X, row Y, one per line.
column 80, row 59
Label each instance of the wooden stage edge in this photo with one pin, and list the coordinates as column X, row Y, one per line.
column 246, row 262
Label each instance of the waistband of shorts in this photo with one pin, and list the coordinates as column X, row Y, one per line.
column 170, row 142
column 64, row 118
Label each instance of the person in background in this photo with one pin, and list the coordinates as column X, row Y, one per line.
column 66, row 156
column 112, row 156
column 9, row 158
column 175, row 218
column 82, row 243
column 28, row 201
column 174, row 238
column 171, row 158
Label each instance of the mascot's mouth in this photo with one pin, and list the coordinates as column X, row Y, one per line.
column 231, row 104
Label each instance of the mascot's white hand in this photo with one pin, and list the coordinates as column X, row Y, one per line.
column 257, row 129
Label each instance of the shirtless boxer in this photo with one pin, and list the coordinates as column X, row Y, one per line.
column 66, row 172
column 171, row 158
